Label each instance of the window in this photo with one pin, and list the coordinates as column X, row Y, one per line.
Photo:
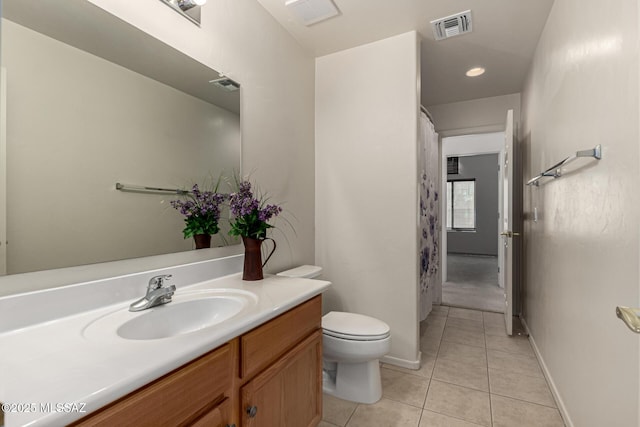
column 461, row 204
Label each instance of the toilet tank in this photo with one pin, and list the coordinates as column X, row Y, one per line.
column 304, row 271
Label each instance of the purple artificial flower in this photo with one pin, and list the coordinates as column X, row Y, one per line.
column 201, row 210
column 251, row 214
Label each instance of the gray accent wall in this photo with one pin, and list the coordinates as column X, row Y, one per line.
column 484, row 240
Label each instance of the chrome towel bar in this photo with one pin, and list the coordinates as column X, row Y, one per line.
column 145, row 189
column 630, row 317
column 555, row 172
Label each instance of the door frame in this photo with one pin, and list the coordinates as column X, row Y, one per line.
column 457, row 144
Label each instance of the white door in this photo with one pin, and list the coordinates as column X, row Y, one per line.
column 506, row 231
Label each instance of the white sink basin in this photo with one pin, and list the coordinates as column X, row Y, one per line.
column 188, row 312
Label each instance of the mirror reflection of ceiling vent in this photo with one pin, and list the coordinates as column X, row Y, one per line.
column 225, row 83
column 453, row 25
column 311, row 12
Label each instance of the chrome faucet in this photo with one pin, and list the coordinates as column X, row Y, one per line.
column 157, row 294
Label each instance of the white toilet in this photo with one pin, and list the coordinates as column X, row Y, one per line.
column 351, row 346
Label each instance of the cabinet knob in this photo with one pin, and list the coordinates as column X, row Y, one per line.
column 252, row 411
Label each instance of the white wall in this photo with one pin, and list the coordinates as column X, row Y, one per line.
column 476, row 116
column 582, row 254
column 70, row 140
column 241, row 39
column 366, row 184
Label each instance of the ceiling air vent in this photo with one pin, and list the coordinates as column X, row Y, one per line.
column 452, row 165
column 453, row 25
column 311, row 12
column 225, row 83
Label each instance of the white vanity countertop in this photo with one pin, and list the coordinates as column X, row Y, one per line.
column 50, row 371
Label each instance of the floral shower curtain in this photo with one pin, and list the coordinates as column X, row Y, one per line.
column 429, row 208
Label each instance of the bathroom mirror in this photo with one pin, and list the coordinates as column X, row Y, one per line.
column 92, row 101
column 189, row 9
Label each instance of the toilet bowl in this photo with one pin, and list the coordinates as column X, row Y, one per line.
column 352, row 345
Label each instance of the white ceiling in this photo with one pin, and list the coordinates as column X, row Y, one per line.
column 505, row 34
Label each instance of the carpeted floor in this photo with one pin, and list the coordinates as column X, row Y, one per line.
column 472, row 282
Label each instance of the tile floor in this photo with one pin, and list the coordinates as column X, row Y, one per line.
column 472, row 374
column 472, row 282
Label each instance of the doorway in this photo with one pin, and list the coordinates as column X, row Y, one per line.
column 472, row 193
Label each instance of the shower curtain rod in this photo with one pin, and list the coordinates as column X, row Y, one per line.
column 429, row 116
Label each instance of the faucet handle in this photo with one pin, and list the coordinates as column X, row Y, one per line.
column 157, row 282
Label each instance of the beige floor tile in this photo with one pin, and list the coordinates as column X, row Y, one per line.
column 432, row 333
column 432, row 323
column 518, row 329
column 385, row 413
column 465, row 313
column 427, row 362
column 460, row 336
column 476, row 356
column 323, row 423
column 500, row 330
column 430, row 343
column 513, row 344
column 459, row 402
column 432, row 419
column 461, row 373
column 337, row 411
column 516, row 363
column 466, row 324
column 509, row 412
column 523, row 387
column 404, row 388
column 440, row 310
column 436, row 316
column 493, row 318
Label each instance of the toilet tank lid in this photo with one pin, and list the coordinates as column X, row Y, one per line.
column 304, row 271
column 354, row 324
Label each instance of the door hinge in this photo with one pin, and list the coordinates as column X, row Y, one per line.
column 498, row 269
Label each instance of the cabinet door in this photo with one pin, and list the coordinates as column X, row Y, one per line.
column 289, row 392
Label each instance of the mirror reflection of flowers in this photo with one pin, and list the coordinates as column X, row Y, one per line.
column 251, row 213
column 201, row 210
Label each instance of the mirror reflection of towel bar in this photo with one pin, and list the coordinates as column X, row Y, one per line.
column 144, row 189
column 630, row 316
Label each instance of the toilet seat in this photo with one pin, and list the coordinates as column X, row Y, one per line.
column 354, row 327
column 355, row 337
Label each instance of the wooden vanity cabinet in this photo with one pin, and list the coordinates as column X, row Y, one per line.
column 287, row 353
column 198, row 391
column 219, row 416
column 270, row 376
column 289, row 392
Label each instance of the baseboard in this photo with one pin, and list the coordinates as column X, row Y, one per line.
column 403, row 363
column 554, row 390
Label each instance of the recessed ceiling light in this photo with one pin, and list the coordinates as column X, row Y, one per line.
column 475, row 72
